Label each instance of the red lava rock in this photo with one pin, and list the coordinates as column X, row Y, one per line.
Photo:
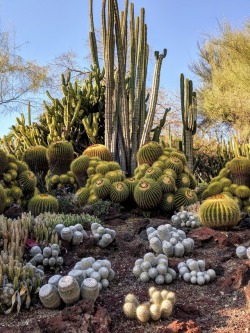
column 236, row 279
column 247, row 294
column 202, row 234
column 178, row 326
column 82, row 317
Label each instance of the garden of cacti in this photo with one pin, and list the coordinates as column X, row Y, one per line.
column 108, row 223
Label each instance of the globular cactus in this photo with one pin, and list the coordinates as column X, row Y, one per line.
column 219, row 212
column 181, row 156
column 131, row 184
column 2, row 199
column 103, row 236
column 79, row 168
column 185, row 219
column 102, row 188
column 98, row 150
column 167, row 202
column 243, row 252
column 213, row 189
column 184, row 197
column 149, row 153
column 182, row 180
column 60, row 154
column 140, row 170
column 42, row 203
column 167, row 183
column 49, row 296
column 81, row 196
column 36, row 159
column 153, row 172
column 119, row 192
column 193, row 271
column 239, row 168
column 174, row 163
column 4, row 162
column 242, row 192
column 103, row 168
column 170, row 172
column 89, row 289
column 115, row 176
column 27, row 181
column 147, row 194
column 69, row 289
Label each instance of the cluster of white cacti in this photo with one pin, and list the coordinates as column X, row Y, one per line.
column 74, row 234
column 154, row 267
column 84, row 281
column 160, row 305
column 185, row 219
column 49, row 256
column 193, row 271
column 103, row 236
column 169, row 240
column 243, row 252
column 100, row 270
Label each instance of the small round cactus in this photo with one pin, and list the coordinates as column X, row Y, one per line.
column 49, row 296
column 89, row 289
column 69, row 289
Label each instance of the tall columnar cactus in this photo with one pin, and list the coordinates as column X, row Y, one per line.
column 189, row 117
column 127, row 122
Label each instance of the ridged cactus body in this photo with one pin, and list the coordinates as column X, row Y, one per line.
column 36, row 158
column 149, row 152
column 42, row 203
column 147, row 193
column 60, row 154
column 219, row 212
column 98, row 150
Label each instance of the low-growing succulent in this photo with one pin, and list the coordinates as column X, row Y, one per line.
column 243, row 252
column 169, row 240
column 185, row 219
column 103, row 236
column 154, row 267
column 48, row 257
column 193, row 271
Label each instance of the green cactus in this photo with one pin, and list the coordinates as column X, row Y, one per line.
column 27, row 181
column 149, row 153
column 184, row 197
column 82, row 196
column 115, row 176
column 239, row 170
column 102, row 188
column 42, row 203
column 182, row 180
column 147, row 194
column 2, row 199
column 219, row 212
column 167, row 203
column 242, row 192
column 131, row 184
column 98, row 150
column 4, row 162
column 119, row 192
column 153, row 172
column 189, row 117
column 79, row 168
column 60, row 154
column 174, row 163
column 167, row 183
column 36, row 158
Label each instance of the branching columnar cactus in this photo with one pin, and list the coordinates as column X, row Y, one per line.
column 193, row 271
column 160, row 305
column 189, row 117
column 219, row 211
column 154, row 267
column 169, row 240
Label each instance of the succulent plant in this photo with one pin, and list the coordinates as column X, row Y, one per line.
column 239, row 168
column 219, row 212
column 149, row 153
column 184, row 197
column 89, row 289
column 147, row 194
column 174, row 163
column 131, row 184
column 185, row 219
column 49, row 296
column 36, row 159
column 81, row 196
column 153, row 172
column 167, row 202
column 27, row 181
column 79, row 168
column 103, row 236
column 102, row 188
column 2, row 199
column 242, row 192
column 60, row 154
column 69, row 289
column 183, row 180
column 4, row 162
column 42, row 203
column 98, row 150
column 167, row 183
column 115, row 176
column 193, row 271
column 119, row 192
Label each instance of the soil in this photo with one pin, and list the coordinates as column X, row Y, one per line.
column 222, row 306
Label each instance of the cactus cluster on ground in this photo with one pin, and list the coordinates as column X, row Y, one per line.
column 154, row 267
column 193, row 271
column 243, row 252
column 169, row 240
column 103, row 236
column 47, row 257
column 159, row 306
column 185, row 219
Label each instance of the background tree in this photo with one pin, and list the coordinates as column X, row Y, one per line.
column 224, row 70
column 18, row 77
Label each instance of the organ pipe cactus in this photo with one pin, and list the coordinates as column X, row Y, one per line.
column 189, row 117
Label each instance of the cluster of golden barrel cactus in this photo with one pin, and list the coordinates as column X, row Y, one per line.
column 159, row 306
column 227, row 194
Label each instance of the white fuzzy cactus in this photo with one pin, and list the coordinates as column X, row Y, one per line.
column 49, row 296
column 193, row 271
column 103, row 236
column 89, row 289
column 69, row 290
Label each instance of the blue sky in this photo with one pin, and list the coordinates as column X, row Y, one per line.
column 49, row 28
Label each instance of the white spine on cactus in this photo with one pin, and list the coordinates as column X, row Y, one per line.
column 188, row 244
column 84, row 235
column 79, row 227
column 58, row 228
column 167, row 248
column 179, row 250
column 241, row 252
column 105, row 240
column 163, row 232
column 66, row 234
column 55, row 279
column 55, row 247
column 49, row 296
column 59, row 261
column 77, row 237
column 38, row 258
column 150, row 257
column 89, row 289
column 35, row 250
column 248, row 252
column 166, row 309
column 156, row 244
column 104, row 272
column 104, row 283
column 78, row 275
column 47, row 252
column 69, row 289
column 87, row 262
